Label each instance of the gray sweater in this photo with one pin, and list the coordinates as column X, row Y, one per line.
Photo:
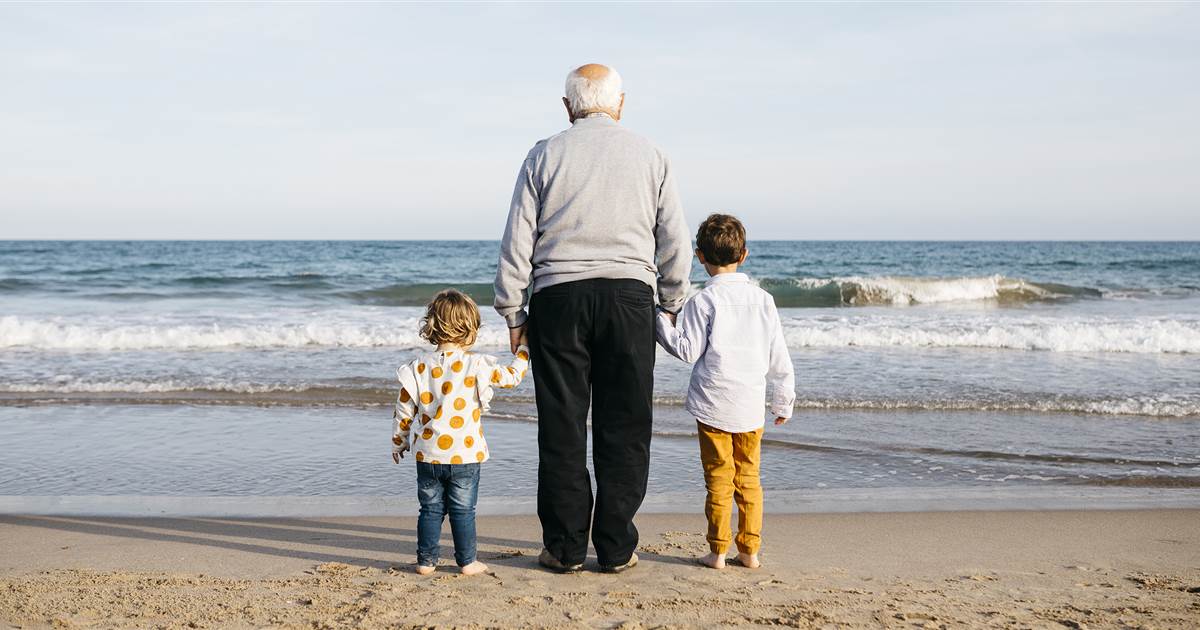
column 594, row 201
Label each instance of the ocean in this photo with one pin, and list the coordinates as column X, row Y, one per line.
column 1040, row 373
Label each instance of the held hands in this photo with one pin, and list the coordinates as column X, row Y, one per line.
column 780, row 420
column 517, row 337
column 398, row 455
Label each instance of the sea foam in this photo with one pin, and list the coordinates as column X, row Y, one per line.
column 43, row 334
column 1142, row 335
column 1053, row 334
column 237, row 391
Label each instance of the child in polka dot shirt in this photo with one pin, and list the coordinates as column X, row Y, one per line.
column 443, row 395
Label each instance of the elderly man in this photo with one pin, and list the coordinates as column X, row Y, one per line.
column 594, row 228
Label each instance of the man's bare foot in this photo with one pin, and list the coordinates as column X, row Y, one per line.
column 425, row 569
column 713, row 560
column 748, row 560
column 474, row 568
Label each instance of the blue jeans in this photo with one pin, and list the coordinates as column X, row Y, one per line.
column 442, row 489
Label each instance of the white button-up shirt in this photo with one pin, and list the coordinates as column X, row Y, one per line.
column 731, row 331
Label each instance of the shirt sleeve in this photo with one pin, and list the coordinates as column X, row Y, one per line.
column 402, row 417
column 672, row 244
column 506, row 376
column 688, row 338
column 514, row 271
column 780, row 375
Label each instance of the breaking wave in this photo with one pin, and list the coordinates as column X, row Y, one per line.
column 907, row 290
column 1051, row 334
column 803, row 292
column 788, row 292
column 17, row 332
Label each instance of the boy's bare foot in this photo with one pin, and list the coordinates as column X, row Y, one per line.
column 713, row 560
column 425, row 570
column 748, row 560
column 474, row 568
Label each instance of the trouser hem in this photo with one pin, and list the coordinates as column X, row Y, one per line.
column 750, row 551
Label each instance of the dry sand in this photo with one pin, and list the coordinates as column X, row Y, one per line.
column 939, row 569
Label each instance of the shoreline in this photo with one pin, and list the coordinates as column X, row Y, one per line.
column 895, row 500
column 520, row 408
column 854, row 461
column 920, row 569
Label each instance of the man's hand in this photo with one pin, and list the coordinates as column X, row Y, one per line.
column 517, row 337
column 399, row 455
column 781, row 420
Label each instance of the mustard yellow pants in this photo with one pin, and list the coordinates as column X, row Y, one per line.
column 731, row 473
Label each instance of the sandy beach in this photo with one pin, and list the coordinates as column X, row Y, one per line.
column 1135, row 568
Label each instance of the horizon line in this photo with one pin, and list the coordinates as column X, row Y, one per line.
column 495, row 240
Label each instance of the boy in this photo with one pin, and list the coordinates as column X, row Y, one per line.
column 731, row 331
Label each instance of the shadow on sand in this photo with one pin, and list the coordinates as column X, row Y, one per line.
column 355, row 544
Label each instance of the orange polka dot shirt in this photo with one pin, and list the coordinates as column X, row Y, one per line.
column 443, row 396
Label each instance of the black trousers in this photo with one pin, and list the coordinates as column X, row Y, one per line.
column 592, row 341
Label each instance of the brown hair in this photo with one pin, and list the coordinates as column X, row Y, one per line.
column 451, row 317
column 722, row 239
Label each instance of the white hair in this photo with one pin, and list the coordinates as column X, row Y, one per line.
column 593, row 95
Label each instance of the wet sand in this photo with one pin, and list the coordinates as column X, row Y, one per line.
column 1052, row 569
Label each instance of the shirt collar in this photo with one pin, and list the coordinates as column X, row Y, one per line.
column 736, row 276
column 596, row 118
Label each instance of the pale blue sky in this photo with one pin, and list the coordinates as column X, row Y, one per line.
column 402, row 121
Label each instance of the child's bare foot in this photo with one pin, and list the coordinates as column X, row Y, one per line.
column 425, row 569
column 474, row 568
column 748, row 560
column 713, row 560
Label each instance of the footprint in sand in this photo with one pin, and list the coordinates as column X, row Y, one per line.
column 980, row 578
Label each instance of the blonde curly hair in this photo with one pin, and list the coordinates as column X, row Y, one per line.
column 451, row 317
